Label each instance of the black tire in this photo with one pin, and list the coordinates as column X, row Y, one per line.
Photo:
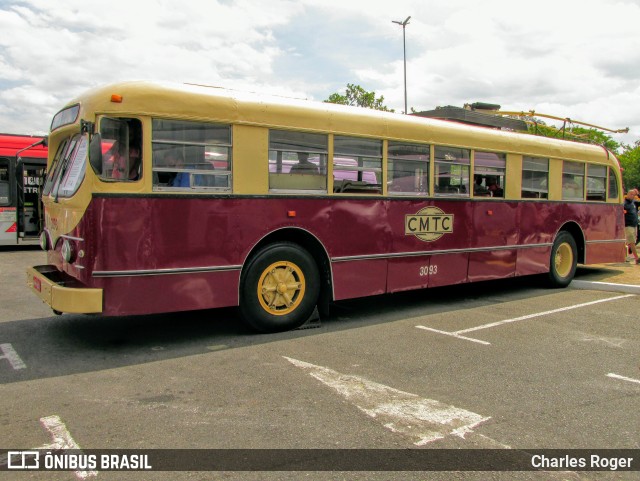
column 564, row 259
column 279, row 288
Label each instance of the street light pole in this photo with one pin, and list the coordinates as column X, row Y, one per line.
column 404, row 49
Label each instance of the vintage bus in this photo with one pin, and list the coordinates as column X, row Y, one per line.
column 167, row 198
column 23, row 159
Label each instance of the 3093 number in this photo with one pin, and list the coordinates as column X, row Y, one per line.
column 428, row 270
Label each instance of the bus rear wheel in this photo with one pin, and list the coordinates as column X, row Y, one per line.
column 564, row 259
column 279, row 288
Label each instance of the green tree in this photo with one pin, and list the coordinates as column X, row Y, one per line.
column 630, row 163
column 359, row 97
column 578, row 134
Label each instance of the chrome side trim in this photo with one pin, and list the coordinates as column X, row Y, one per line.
column 162, row 272
column 610, row 241
column 71, row 238
column 438, row 252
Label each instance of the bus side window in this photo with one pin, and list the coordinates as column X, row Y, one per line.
column 613, row 185
column 191, row 155
column 452, row 171
column 357, row 165
column 596, row 182
column 297, row 161
column 121, row 149
column 408, row 168
column 535, row 178
column 489, row 171
column 572, row 180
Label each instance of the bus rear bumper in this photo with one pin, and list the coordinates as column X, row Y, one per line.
column 49, row 284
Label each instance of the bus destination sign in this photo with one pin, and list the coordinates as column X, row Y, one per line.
column 429, row 224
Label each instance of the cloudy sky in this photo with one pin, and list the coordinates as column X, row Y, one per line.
column 571, row 58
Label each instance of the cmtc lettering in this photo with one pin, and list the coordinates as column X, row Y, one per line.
column 429, row 224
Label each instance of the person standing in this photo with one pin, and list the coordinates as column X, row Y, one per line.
column 631, row 222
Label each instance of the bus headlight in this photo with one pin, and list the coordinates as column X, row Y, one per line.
column 68, row 251
column 44, row 240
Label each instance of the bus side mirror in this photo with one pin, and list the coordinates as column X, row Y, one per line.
column 95, row 153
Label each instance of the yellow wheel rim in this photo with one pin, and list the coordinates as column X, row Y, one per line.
column 281, row 288
column 564, row 260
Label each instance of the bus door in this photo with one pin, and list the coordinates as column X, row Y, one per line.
column 8, row 226
column 29, row 177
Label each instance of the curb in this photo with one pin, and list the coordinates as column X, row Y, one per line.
column 605, row 286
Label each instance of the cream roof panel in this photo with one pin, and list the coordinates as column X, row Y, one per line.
column 215, row 104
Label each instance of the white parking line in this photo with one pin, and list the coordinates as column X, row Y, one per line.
column 11, row 355
column 623, row 378
column 454, row 334
column 423, row 420
column 457, row 334
column 62, row 440
column 539, row 314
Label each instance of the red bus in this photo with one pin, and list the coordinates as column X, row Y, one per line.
column 165, row 198
column 23, row 160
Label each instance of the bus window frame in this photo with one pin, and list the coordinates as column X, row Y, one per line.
column 578, row 191
column 195, row 175
column 537, row 194
column 603, row 178
column 485, row 170
column 50, row 180
column 461, row 162
column 66, row 165
column 612, row 176
column 361, row 157
column 297, row 182
column 109, row 178
column 421, row 181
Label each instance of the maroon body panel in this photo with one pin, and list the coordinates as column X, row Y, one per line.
column 171, row 253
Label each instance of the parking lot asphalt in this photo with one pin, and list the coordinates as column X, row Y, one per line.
column 509, row 364
column 620, row 277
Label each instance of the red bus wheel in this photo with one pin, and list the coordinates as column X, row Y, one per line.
column 564, row 258
column 279, row 288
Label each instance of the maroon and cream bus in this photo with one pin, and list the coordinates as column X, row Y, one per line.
column 167, row 198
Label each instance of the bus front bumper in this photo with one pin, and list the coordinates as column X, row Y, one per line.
column 50, row 285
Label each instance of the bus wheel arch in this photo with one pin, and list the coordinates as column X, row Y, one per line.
column 565, row 256
column 296, row 255
column 577, row 233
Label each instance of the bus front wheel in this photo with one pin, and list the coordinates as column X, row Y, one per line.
column 564, row 258
column 279, row 288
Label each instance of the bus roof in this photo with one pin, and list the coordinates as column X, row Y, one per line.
column 10, row 144
column 197, row 102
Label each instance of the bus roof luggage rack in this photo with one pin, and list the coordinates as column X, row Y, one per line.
column 470, row 116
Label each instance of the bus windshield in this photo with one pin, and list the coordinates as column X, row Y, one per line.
column 67, row 170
